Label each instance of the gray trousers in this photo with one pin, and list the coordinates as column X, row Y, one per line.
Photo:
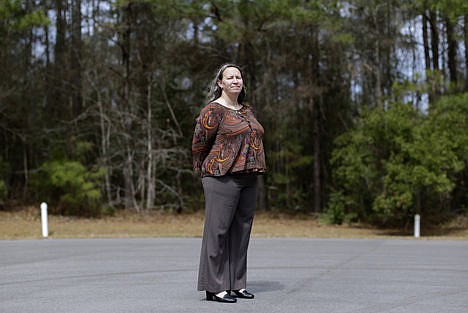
column 229, row 211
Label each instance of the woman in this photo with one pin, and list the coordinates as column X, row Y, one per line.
column 228, row 153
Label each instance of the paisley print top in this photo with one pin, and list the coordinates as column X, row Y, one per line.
column 227, row 141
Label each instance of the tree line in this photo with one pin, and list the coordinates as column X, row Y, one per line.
column 364, row 103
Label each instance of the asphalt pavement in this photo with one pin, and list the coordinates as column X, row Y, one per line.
column 285, row 274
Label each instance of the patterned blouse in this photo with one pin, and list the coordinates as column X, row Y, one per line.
column 227, row 141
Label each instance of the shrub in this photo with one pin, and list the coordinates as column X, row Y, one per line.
column 70, row 187
column 399, row 161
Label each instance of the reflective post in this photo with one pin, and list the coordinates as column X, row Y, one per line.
column 417, row 222
column 45, row 226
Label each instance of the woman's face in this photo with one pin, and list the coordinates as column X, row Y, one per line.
column 232, row 81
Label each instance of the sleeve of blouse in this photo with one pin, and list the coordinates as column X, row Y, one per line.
column 206, row 127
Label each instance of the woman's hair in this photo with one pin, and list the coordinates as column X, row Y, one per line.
column 216, row 91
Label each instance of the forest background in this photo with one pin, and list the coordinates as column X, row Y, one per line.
column 365, row 103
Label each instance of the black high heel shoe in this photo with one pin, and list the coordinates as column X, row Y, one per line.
column 211, row 296
column 243, row 294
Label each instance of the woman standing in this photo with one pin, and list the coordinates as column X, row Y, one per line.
column 228, row 153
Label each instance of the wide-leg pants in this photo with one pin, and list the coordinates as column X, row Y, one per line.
column 229, row 210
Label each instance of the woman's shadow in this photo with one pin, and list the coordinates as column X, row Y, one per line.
column 265, row 286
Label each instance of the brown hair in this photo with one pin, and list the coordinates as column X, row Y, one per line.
column 215, row 91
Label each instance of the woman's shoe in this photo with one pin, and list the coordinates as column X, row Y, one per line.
column 242, row 293
column 226, row 298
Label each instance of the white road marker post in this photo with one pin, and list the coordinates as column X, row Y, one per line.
column 45, row 226
column 417, row 226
